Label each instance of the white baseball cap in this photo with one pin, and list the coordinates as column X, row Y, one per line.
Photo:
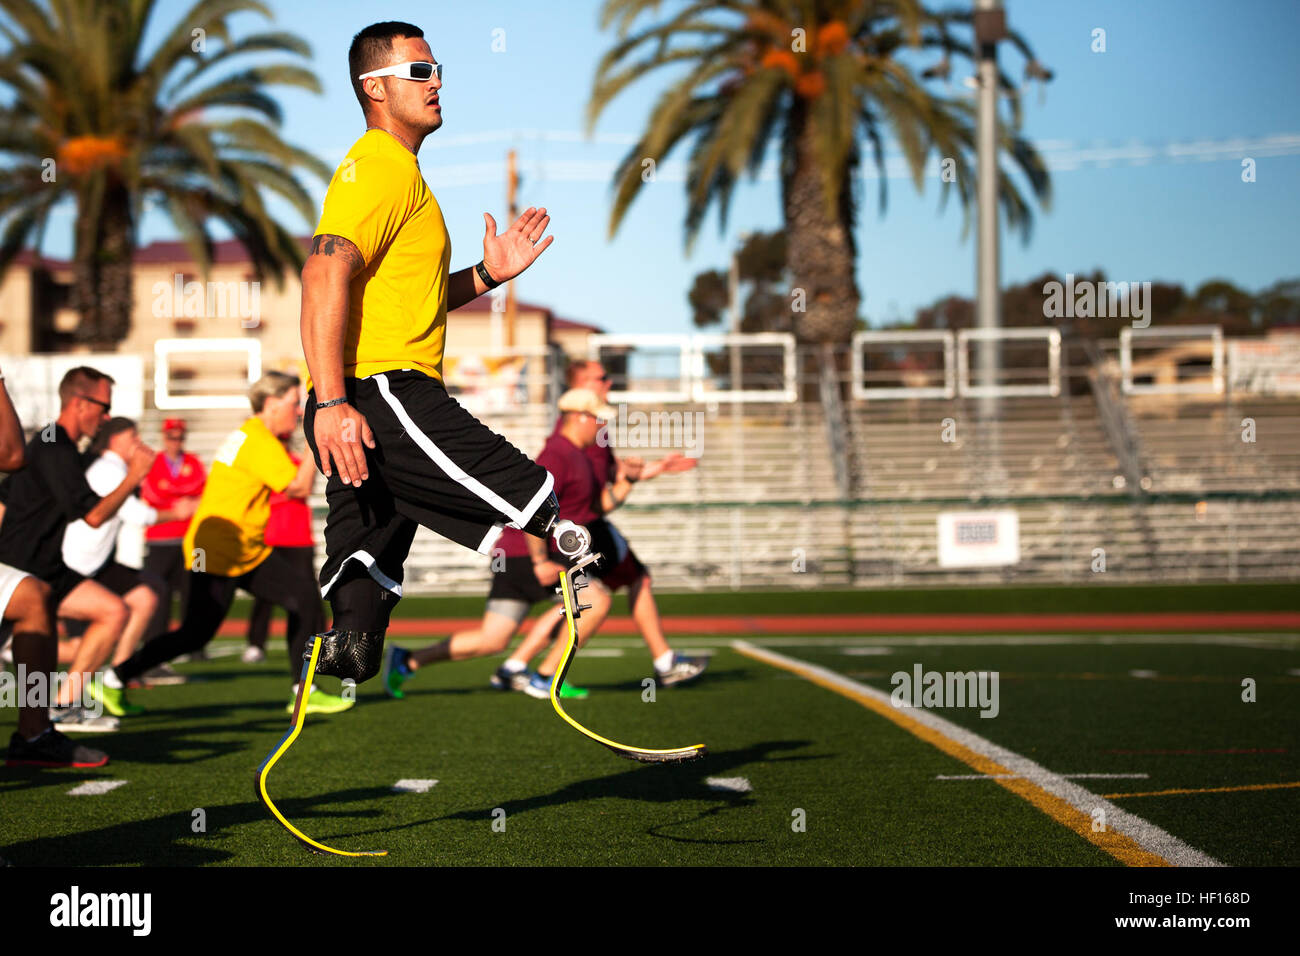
column 585, row 400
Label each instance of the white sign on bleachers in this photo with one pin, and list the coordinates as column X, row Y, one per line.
column 1265, row 367
column 978, row 539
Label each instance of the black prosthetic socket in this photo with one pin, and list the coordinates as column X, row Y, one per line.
column 547, row 513
column 349, row 655
column 354, row 648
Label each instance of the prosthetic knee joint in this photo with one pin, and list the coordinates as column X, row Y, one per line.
column 573, row 540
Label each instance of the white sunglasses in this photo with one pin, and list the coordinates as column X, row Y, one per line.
column 414, row 70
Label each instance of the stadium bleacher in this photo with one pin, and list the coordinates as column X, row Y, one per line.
column 765, row 508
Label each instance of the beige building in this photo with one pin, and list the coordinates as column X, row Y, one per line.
column 173, row 301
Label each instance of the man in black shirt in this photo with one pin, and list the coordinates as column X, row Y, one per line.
column 24, row 613
column 40, row 501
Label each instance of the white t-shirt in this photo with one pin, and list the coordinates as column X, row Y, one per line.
column 85, row 549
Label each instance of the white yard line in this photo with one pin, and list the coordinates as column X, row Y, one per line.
column 1125, row 836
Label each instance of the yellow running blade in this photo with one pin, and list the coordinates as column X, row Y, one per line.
column 299, row 716
column 674, row 755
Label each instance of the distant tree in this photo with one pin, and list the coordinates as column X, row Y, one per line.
column 823, row 84
column 185, row 125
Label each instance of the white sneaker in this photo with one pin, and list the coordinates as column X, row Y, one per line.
column 74, row 720
column 683, row 669
column 161, row 676
column 253, row 655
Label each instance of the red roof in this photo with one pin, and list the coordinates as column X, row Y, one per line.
column 231, row 251
column 224, row 252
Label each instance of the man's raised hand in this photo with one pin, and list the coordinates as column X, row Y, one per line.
column 507, row 255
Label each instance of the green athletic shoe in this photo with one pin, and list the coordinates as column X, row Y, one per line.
column 319, row 702
column 113, row 699
column 540, row 687
column 397, row 671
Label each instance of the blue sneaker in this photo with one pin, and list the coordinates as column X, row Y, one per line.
column 397, row 671
column 540, row 687
column 510, row 680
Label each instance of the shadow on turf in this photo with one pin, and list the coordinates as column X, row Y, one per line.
column 709, row 677
column 157, row 841
column 659, row 783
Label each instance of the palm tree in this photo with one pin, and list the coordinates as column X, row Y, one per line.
column 98, row 119
column 823, row 79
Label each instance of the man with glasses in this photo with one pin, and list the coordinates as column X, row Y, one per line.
column 25, row 616
column 40, row 501
column 395, row 448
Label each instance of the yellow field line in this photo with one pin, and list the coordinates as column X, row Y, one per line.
column 1118, row 845
column 1166, row 793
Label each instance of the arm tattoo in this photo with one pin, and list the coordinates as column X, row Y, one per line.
column 339, row 248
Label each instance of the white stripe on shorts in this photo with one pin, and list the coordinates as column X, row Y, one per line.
column 366, row 558
column 489, row 539
column 453, row 471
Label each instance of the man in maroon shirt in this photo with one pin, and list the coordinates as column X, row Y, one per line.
column 625, row 568
column 524, row 572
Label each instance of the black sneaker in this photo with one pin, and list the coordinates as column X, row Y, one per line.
column 51, row 749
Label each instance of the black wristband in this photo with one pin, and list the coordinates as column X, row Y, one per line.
column 483, row 274
column 333, row 401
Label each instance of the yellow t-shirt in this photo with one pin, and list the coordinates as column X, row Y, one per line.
column 397, row 305
column 228, row 527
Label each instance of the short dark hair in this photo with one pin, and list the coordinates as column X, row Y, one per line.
column 114, row 426
column 372, row 48
column 576, row 370
column 77, row 380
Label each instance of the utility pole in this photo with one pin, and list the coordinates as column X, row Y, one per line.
column 990, row 27
column 512, row 213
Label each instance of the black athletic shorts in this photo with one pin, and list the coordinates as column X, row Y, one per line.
column 118, row 578
column 614, row 571
column 63, row 584
column 433, row 464
column 518, row 583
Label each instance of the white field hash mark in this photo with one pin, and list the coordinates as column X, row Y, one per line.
column 1145, row 834
column 93, row 788
column 413, row 786
column 729, row 784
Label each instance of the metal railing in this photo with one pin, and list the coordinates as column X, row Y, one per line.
column 812, row 484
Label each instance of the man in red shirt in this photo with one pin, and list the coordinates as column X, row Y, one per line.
column 176, row 474
column 287, row 531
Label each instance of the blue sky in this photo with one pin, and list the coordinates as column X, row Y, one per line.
column 1146, row 141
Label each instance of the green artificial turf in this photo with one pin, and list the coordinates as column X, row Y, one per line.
column 1089, row 598
column 866, row 787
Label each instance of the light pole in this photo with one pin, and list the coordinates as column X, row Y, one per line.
column 990, row 27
